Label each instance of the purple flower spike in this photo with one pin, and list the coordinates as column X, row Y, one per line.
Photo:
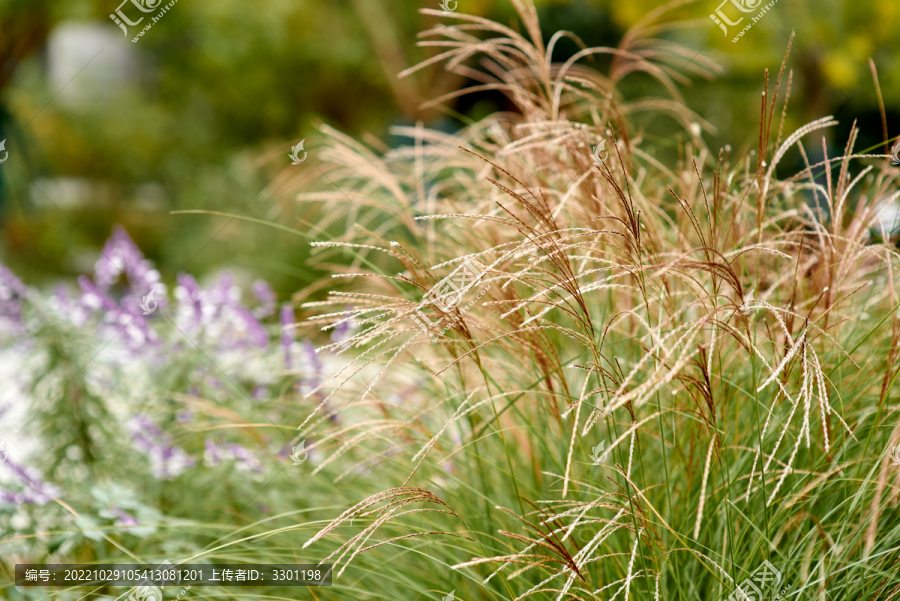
column 124, row 518
column 343, row 330
column 10, row 285
column 121, row 255
column 72, row 309
column 312, row 366
column 213, row 455
column 132, row 327
column 287, row 333
column 190, row 304
column 166, row 460
column 111, row 263
column 255, row 331
column 12, row 293
column 148, row 426
column 218, row 315
column 285, row 451
column 245, row 459
column 225, row 293
column 93, row 296
column 35, row 490
column 263, row 293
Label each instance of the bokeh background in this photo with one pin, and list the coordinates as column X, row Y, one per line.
column 172, row 136
column 202, row 111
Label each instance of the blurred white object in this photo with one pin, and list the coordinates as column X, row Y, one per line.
column 88, row 61
column 887, row 218
column 65, row 192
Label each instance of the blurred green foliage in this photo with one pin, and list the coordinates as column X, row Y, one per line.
column 224, row 89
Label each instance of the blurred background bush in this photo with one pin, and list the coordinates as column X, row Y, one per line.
column 200, row 113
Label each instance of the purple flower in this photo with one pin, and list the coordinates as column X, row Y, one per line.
column 124, row 518
column 217, row 316
column 190, row 304
column 166, row 460
column 224, row 292
column 212, row 456
column 74, row 310
column 285, row 451
column 121, row 255
column 146, row 435
column 35, row 490
column 312, row 366
column 121, row 318
column 264, row 294
column 131, row 326
column 343, row 330
column 94, row 298
column 10, row 285
column 256, row 333
column 12, row 293
column 245, row 460
column 287, row 333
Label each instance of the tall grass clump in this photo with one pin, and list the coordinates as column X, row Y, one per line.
column 725, row 330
